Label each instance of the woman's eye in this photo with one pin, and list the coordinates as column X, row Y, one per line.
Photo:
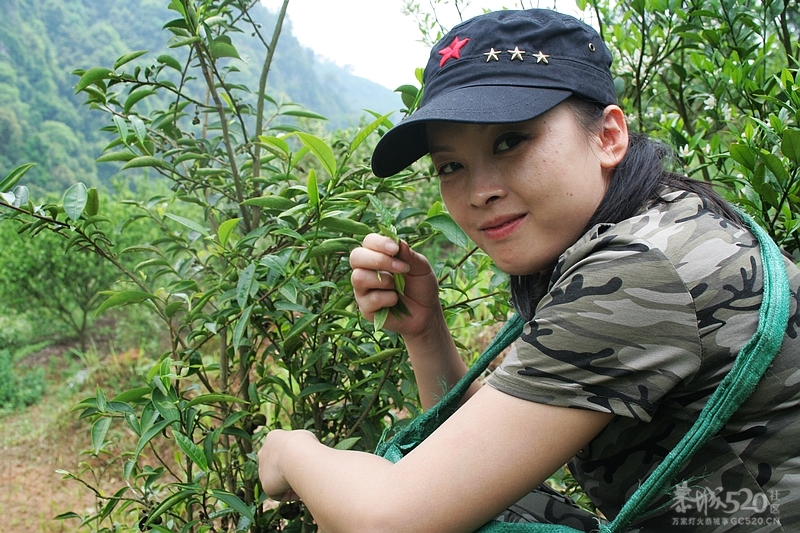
column 508, row 141
column 448, row 168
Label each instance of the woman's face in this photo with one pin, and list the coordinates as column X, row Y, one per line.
column 522, row 192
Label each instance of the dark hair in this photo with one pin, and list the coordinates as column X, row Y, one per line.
column 636, row 182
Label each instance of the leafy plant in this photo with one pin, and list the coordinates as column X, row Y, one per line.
column 248, row 273
column 716, row 80
column 18, row 390
column 39, row 279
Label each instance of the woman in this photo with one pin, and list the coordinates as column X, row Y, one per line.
column 638, row 286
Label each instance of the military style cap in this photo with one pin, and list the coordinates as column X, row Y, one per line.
column 502, row 67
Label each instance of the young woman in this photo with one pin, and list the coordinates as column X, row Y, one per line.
column 639, row 287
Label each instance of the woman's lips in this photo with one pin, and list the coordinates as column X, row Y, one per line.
column 503, row 227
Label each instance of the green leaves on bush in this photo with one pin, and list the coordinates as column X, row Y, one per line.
column 246, row 267
column 716, row 80
column 17, row 390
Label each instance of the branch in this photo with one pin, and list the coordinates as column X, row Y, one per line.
column 226, row 136
column 786, row 37
column 262, row 86
column 476, row 299
column 372, row 400
column 460, row 262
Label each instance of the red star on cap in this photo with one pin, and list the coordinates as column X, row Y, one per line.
column 452, row 51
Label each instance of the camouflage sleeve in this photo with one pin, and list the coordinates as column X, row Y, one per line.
column 616, row 332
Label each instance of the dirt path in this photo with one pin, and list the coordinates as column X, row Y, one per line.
column 33, row 445
column 46, row 437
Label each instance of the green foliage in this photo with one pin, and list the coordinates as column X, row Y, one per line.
column 41, row 119
column 563, row 482
column 717, row 80
column 248, row 272
column 40, row 280
column 16, row 390
column 14, row 330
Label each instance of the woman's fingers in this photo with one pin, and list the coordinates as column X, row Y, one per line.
column 271, row 457
column 371, row 259
column 375, row 264
column 382, row 253
column 372, row 272
column 374, row 301
column 373, row 267
column 373, row 290
column 365, row 279
column 381, row 243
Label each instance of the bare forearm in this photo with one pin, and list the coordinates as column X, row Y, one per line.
column 345, row 491
column 437, row 364
column 451, row 482
column 350, row 491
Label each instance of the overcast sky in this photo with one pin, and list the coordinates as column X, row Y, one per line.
column 373, row 37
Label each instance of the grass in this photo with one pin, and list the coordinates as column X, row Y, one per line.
column 38, row 440
column 34, row 442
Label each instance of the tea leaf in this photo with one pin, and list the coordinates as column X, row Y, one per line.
column 380, row 318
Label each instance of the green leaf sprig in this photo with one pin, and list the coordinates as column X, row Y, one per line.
column 387, row 229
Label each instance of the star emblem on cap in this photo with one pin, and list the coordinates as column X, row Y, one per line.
column 541, row 57
column 516, row 53
column 492, row 54
column 453, row 51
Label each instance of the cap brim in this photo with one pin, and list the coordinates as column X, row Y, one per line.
column 486, row 104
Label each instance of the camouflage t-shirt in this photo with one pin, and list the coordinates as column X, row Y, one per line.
column 643, row 319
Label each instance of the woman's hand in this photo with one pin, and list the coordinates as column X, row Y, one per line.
column 431, row 349
column 373, row 265
column 269, row 463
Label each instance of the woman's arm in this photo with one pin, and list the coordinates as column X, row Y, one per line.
column 434, row 357
column 490, row 453
column 436, row 362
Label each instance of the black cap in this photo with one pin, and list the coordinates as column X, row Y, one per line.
column 502, row 67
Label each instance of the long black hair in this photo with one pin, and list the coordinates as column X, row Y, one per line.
column 637, row 182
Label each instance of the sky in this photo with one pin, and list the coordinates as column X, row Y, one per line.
column 373, row 38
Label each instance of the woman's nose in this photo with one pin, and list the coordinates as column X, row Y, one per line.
column 486, row 186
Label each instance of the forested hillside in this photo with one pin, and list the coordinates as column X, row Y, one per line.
column 43, row 41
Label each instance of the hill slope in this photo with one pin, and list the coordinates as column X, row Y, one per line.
column 43, row 41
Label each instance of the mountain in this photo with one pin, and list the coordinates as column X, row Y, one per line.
column 43, row 41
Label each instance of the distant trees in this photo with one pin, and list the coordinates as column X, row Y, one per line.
column 39, row 122
column 43, row 41
column 18, row 390
column 50, row 285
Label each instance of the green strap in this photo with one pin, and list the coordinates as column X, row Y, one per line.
column 750, row 364
column 522, row 527
column 409, row 436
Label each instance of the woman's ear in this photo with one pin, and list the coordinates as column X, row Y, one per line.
column 613, row 138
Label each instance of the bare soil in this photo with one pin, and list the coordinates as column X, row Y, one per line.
column 35, row 444
column 46, row 437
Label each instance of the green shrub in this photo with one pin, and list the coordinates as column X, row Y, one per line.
column 15, row 329
column 18, row 391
